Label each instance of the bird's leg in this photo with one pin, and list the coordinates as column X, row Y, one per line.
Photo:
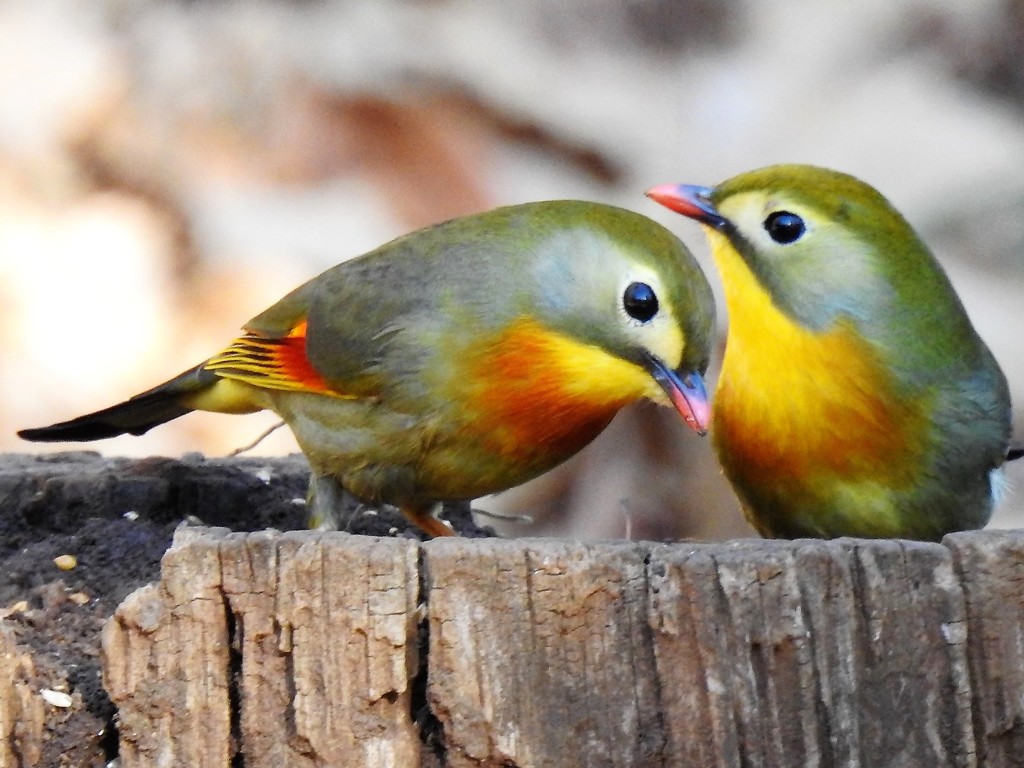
column 423, row 517
column 329, row 506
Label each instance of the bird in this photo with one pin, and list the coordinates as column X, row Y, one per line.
column 459, row 360
column 855, row 397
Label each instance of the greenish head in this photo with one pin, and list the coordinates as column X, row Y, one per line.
column 613, row 279
column 828, row 247
column 618, row 280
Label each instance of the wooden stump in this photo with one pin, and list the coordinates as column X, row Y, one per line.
column 295, row 649
column 21, row 707
column 327, row 649
column 990, row 570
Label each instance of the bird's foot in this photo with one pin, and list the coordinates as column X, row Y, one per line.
column 329, row 506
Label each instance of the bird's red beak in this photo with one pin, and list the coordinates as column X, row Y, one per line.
column 687, row 393
column 689, row 200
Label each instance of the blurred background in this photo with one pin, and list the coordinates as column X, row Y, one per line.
column 170, row 168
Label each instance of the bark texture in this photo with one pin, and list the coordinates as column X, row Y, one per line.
column 329, row 649
column 289, row 649
column 21, row 707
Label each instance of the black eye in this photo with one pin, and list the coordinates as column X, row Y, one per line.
column 640, row 302
column 784, row 227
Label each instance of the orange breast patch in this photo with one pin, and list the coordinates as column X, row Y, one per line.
column 533, row 389
column 797, row 404
column 820, row 408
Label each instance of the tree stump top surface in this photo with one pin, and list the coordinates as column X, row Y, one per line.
column 305, row 648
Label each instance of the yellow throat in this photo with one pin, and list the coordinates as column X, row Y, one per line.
column 798, row 405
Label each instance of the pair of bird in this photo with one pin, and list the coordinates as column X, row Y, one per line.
column 855, row 398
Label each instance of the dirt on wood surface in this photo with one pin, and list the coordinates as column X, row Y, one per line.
column 80, row 532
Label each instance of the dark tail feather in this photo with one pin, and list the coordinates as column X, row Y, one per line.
column 1014, row 451
column 134, row 416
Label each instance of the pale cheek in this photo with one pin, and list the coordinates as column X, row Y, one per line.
column 662, row 338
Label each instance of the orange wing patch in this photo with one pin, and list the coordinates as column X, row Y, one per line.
column 271, row 363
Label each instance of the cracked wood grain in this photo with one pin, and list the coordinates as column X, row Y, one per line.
column 540, row 654
column 302, row 649
column 21, row 707
column 834, row 653
column 290, row 649
column 990, row 569
column 166, row 668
